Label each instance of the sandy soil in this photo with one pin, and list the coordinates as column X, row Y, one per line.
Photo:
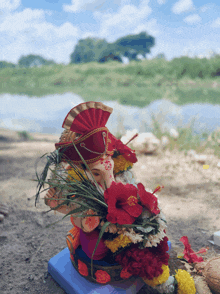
column 190, row 200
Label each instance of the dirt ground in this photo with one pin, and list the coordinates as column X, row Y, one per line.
column 190, row 200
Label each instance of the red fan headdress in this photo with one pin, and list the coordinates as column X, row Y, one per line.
column 87, row 120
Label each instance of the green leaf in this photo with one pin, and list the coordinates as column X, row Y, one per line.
column 79, row 209
column 97, row 243
column 146, row 230
column 86, row 215
column 87, row 167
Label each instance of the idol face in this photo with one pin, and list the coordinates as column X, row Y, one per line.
column 102, row 171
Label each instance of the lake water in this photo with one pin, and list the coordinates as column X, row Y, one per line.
column 46, row 114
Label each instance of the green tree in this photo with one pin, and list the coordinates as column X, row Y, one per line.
column 5, row 64
column 160, row 56
column 132, row 45
column 34, row 60
column 94, row 49
column 89, row 49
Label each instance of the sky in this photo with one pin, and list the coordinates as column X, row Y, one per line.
column 52, row 28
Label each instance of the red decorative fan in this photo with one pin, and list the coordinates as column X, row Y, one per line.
column 86, row 117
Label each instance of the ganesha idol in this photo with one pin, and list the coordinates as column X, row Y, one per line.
column 119, row 230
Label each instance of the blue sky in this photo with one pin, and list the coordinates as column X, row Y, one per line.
column 52, row 28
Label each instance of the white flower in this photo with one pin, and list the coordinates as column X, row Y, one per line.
column 133, row 236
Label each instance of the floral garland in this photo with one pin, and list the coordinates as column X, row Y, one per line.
column 160, row 279
column 146, row 263
column 185, row 282
column 120, row 241
column 121, row 164
column 73, row 175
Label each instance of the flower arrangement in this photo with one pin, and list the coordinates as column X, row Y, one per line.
column 129, row 214
column 115, row 219
column 126, row 216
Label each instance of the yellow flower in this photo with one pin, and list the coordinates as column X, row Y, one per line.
column 185, row 281
column 121, row 164
column 73, row 175
column 160, row 279
column 120, row 241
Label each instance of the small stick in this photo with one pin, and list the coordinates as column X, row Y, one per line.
column 132, row 139
column 38, row 249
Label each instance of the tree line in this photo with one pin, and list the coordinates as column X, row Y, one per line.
column 95, row 49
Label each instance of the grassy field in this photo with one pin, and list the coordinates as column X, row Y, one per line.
column 182, row 80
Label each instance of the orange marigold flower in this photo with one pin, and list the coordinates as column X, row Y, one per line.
column 102, row 277
column 83, row 269
column 125, row 274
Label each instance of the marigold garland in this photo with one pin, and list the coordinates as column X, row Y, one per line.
column 145, row 263
column 83, row 269
column 121, row 164
column 185, row 281
column 120, row 241
column 73, row 175
column 102, row 277
column 160, row 279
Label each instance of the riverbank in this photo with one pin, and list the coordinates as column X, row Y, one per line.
column 190, row 201
column 182, row 81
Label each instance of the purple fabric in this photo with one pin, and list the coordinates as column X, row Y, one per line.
column 88, row 242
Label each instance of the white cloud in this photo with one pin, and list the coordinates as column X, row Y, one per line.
column 9, row 5
column 216, row 23
column 113, row 25
column 161, row 2
column 151, row 27
column 27, row 32
column 89, row 35
column 205, row 8
column 193, row 19
column 182, row 6
column 79, row 5
column 20, row 21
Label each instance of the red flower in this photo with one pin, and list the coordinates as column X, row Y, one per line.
column 102, row 277
column 83, row 269
column 189, row 254
column 125, row 151
column 148, row 199
column 122, row 202
column 145, row 263
column 125, row 274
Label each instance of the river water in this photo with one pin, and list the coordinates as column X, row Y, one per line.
column 46, row 114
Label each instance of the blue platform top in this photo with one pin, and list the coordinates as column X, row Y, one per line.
column 61, row 269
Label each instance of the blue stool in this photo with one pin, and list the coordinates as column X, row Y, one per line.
column 63, row 272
